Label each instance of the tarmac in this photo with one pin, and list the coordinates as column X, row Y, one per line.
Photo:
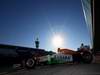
column 59, row 69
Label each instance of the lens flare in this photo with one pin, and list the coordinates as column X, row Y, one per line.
column 57, row 41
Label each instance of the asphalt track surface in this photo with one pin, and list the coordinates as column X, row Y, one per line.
column 60, row 69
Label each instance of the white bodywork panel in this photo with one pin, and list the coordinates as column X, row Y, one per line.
column 63, row 57
column 58, row 57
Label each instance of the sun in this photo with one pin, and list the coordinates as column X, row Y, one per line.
column 57, row 41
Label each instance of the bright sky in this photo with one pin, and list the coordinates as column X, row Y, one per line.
column 21, row 21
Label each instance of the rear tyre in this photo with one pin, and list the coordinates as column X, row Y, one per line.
column 87, row 57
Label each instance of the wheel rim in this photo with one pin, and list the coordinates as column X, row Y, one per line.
column 87, row 57
column 30, row 63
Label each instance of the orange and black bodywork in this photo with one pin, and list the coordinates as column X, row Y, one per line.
column 84, row 56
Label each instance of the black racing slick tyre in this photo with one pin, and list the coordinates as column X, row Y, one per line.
column 87, row 57
column 30, row 63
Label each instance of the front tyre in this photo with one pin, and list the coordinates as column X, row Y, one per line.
column 30, row 63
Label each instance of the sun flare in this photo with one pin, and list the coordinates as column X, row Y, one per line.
column 57, row 41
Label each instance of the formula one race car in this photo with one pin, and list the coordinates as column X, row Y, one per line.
column 30, row 57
